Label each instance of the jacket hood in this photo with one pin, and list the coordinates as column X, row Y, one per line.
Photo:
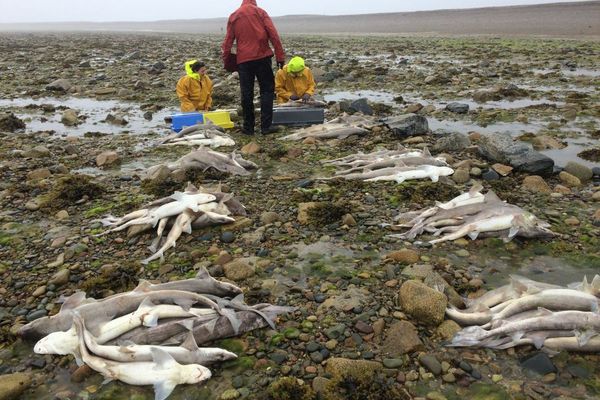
column 249, row 3
column 188, row 70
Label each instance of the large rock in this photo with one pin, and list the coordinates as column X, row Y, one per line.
column 13, row 385
column 502, row 148
column 347, row 300
column 452, row 142
column 70, row 117
column 582, row 172
column 59, row 85
column 408, row 125
column 361, row 106
column 569, row 180
column 37, row 152
column 238, row 270
column 107, row 158
column 536, row 184
column 401, row 338
column 458, row 108
column 426, row 305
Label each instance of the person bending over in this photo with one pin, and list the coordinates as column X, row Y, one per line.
column 195, row 88
column 294, row 81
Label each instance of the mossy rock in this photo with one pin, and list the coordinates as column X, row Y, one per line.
column 70, row 189
column 290, row 388
column 591, row 155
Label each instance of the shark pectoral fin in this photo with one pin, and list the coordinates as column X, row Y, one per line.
column 177, row 196
column 435, row 178
column 584, row 336
column 161, row 358
column 185, row 304
column 473, row 235
column 538, row 339
column 187, row 228
column 514, row 230
column 187, row 324
column 78, row 359
column 515, row 336
column 475, row 189
column 150, row 320
column 146, row 304
column 190, row 342
column 162, row 390
column 239, row 299
column 232, row 318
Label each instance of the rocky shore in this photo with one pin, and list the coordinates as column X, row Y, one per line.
column 519, row 116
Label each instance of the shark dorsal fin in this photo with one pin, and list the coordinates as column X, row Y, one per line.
column 426, row 152
column 143, row 286
column 475, row 189
column 73, row 301
column 203, row 274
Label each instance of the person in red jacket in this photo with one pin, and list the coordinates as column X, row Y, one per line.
column 252, row 29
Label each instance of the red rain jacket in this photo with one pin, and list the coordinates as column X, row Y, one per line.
column 252, row 29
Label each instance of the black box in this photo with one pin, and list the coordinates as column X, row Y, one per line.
column 298, row 116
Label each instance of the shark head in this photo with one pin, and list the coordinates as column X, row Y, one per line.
column 194, row 373
column 62, row 343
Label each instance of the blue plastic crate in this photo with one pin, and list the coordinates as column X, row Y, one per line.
column 180, row 121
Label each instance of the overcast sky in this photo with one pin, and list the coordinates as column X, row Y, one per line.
column 151, row 10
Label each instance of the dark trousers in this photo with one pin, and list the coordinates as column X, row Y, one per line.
column 263, row 71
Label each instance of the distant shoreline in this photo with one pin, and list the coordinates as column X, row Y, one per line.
column 559, row 20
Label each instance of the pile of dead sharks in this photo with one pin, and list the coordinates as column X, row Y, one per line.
column 150, row 336
column 207, row 134
column 472, row 214
column 183, row 211
column 527, row 312
column 340, row 128
column 391, row 165
column 202, row 159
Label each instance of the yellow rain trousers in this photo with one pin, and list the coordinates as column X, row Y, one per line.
column 287, row 85
column 194, row 91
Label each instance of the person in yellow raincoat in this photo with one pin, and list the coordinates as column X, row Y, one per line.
column 195, row 88
column 294, row 81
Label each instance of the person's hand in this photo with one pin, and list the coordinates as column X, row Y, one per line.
column 306, row 97
column 294, row 97
column 280, row 64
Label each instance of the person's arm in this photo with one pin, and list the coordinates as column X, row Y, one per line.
column 274, row 38
column 209, row 85
column 228, row 42
column 311, row 82
column 280, row 89
column 184, row 96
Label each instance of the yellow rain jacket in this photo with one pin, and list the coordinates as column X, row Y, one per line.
column 194, row 90
column 287, row 85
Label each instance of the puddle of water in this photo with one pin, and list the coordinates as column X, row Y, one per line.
column 542, row 268
column 570, row 72
column 570, row 153
column 560, row 156
column 95, row 111
column 371, row 95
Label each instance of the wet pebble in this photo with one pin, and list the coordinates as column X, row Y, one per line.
column 539, row 363
column 36, row 314
column 227, row 237
column 490, row 175
column 37, row 362
column 465, row 366
column 431, row 363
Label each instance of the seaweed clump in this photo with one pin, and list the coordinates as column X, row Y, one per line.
column 289, row 388
column 326, row 213
column 426, row 192
column 69, row 190
column 10, row 123
column 590, row 155
column 364, row 386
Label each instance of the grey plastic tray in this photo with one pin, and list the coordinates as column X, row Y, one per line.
column 298, row 116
